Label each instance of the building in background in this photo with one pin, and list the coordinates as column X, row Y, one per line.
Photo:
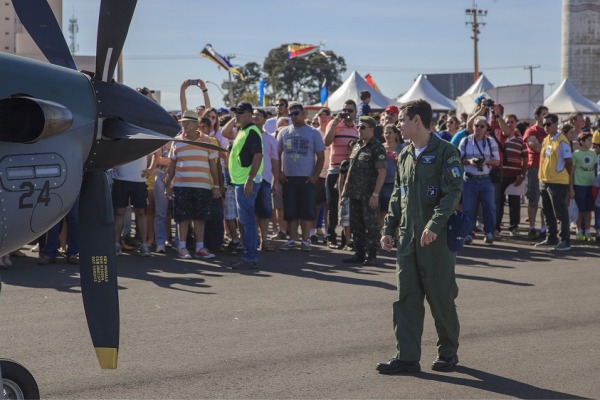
column 581, row 46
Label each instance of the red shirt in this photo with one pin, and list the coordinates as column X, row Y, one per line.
column 533, row 158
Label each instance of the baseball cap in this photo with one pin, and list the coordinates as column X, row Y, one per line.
column 369, row 121
column 243, row 106
column 222, row 111
column 189, row 116
column 325, row 111
column 459, row 226
column 392, row 109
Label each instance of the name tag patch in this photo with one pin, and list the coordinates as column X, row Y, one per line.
column 432, row 191
column 428, row 159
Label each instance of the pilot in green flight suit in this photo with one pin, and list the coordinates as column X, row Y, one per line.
column 426, row 192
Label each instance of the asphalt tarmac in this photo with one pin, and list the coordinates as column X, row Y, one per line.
column 305, row 325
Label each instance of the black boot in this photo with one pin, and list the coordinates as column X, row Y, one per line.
column 370, row 258
column 357, row 258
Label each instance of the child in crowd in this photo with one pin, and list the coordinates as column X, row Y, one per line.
column 584, row 162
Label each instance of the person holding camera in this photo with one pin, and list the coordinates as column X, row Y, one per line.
column 183, row 100
column 479, row 155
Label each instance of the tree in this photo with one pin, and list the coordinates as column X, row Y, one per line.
column 247, row 89
column 301, row 78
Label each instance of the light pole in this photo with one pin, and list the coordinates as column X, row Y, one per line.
column 551, row 84
column 217, row 86
column 475, row 16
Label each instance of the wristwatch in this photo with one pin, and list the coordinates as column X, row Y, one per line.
column 375, row 195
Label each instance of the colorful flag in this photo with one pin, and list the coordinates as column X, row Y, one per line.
column 324, row 93
column 261, row 93
column 371, row 83
column 299, row 50
column 221, row 61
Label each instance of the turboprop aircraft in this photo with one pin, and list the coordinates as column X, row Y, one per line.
column 60, row 130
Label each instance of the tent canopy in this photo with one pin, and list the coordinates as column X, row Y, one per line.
column 566, row 99
column 479, row 86
column 350, row 90
column 423, row 89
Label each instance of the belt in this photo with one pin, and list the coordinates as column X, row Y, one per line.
column 471, row 176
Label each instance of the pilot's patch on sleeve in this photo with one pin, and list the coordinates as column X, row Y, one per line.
column 432, row 191
column 453, row 159
column 455, row 171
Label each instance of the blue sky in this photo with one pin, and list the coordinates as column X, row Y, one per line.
column 392, row 40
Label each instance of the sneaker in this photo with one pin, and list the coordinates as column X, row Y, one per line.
column 547, row 243
column 489, row 238
column 532, row 234
column 43, row 260
column 280, row 235
column 579, row 236
column 513, row 232
column 468, row 239
column 231, row 247
column 542, row 235
column 289, row 245
column 36, row 248
column 161, row 249
column 204, row 253
column 563, row 246
column 144, row 250
column 184, row 254
column 305, row 246
column 588, row 237
column 118, row 249
column 73, row 260
column 314, row 239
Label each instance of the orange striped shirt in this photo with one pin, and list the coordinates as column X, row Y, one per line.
column 339, row 148
column 192, row 164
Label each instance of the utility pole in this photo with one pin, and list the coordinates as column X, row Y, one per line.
column 474, row 18
column 229, row 57
column 531, row 68
column 73, row 30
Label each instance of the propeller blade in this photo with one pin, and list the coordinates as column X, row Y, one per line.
column 37, row 17
column 117, row 129
column 113, row 25
column 98, row 267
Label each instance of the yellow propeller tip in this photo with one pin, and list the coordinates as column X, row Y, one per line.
column 107, row 357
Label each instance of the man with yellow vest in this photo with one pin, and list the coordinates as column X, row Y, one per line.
column 556, row 185
column 245, row 171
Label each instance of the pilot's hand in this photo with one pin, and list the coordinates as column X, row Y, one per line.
column 387, row 241
column 427, row 237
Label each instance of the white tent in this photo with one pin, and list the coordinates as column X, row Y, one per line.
column 566, row 99
column 423, row 89
column 520, row 100
column 465, row 103
column 350, row 90
column 479, row 86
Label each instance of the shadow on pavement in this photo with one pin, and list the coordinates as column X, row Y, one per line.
column 497, row 384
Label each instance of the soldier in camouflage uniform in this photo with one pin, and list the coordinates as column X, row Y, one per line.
column 363, row 184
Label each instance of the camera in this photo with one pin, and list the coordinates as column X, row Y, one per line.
column 344, row 115
column 479, row 164
column 488, row 102
column 143, row 90
column 193, row 82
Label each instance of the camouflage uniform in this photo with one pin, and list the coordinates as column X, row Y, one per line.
column 365, row 160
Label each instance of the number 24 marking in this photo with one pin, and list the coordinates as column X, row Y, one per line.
column 43, row 197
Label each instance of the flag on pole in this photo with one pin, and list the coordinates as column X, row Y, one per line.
column 299, row 50
column 218, row 59
column 261, row 93
column 324, row 93
column 371, row 83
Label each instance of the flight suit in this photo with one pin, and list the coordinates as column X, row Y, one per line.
column 365, row 161
column 426, row 192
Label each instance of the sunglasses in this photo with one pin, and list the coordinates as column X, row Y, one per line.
column 281, row 105
column 348, row 110
column 240, row 112
column 548, row 124
column 480, row 126
column 294, row 113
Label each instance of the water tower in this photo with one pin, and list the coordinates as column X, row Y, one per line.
column 581, row 46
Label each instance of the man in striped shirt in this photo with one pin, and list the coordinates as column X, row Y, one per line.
column 192, row 173
column 514, row 166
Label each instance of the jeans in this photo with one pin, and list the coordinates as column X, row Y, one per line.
column 333, row 198
column 514, row 205
column 554, row 207
column 245, row 207
column 483, row 188
column 72, row 221
column 214, row 231
column 161, row 207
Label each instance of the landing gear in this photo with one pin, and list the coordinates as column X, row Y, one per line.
column 17, row 382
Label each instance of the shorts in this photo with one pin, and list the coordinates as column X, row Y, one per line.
column 533, row 187
column 298, row 199
column 583, row 198
column 262, row 205
column 597, row 218
column 320, row 192
column 345, row 212
column 229, row 206
column 384, row 196
column 125, row 193
column 191, row 203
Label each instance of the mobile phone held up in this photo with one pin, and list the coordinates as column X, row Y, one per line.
column 193, row 82
column 344, row 115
